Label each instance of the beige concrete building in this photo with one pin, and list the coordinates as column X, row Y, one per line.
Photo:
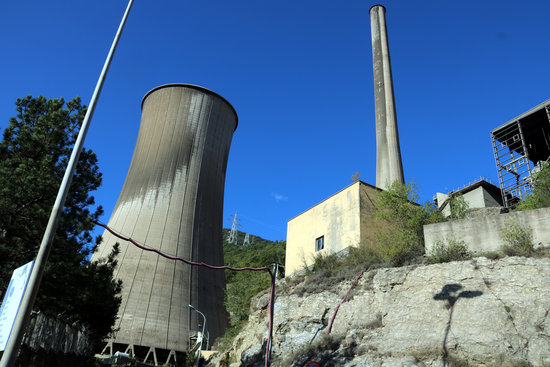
column 345, row 219
column 172, row 200
column 480, row 194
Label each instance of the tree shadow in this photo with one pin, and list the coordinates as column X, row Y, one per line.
column 451, row 294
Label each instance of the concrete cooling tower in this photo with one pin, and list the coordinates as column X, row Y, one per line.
column 172, row 200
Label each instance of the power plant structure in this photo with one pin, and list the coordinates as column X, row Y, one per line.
column 172, row 200
column 520, row 146
column 389, row 167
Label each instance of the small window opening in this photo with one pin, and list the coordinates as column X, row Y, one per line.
column 319, row 243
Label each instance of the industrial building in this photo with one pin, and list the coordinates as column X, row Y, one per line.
column 172, row 200
column 478, row 195
column 345, row 219
column 519, row 147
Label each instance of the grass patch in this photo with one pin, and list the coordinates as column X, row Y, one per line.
column 320, row 351
column 329, row 269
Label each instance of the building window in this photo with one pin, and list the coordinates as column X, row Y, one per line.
column 319, row 243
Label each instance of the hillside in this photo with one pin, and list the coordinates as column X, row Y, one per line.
column 478, row 312
column 242, row 286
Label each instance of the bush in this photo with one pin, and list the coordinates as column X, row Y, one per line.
column 540, row 196
column 454, row 250
column 518, row 240
column 363, row 257
column 400, row 247
column 459, row 207
column 403, row 242
column 327, row 263
column 321, row 350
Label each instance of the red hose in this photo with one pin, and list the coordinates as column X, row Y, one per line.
column 342, row 301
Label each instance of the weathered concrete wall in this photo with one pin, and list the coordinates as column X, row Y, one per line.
column 172, row 200
column 489, row 200
column 483, row 233
column 336, row 218
column 477, row 198
column 370, row 225
column 345, row 219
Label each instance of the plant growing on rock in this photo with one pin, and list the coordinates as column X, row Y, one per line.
column 518, row 240
column 453, row 250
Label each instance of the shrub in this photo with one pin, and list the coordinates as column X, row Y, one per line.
column 398, row 248
column 540, row 196
column 321, row 351
column 327, row 263
column 459, row 207
column 518, row 240
column 454, row 250
column 362, row 257
column 404, row 241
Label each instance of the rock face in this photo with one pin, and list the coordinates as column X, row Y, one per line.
column 474, row 313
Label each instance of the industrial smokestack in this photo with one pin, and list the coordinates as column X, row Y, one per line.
column 172, row 200
column 388, row 154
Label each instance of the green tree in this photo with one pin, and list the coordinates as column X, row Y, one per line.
column 540, row 196
column 242, row 286
column 34, row 153
column 404, row 240
column 459, row 207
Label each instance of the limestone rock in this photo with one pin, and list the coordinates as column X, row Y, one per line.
column 483, row 312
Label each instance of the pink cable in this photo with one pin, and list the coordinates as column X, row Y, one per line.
column 272, row 294
column 342, row 301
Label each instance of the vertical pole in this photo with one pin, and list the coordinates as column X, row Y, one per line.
column 499, row 170
column 274, row 279
column 389, row 167
column 22, row 319
column 202, row 335
column 526, row 160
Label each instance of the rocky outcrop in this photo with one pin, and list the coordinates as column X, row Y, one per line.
column 475, row 313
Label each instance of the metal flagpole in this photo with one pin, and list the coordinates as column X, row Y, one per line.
column 22, row 319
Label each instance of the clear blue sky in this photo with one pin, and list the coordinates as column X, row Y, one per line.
column 299, row 74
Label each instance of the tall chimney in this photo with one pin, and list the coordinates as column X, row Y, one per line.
column 388, row 154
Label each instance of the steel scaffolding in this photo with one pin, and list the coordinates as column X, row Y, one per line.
column 519, row 146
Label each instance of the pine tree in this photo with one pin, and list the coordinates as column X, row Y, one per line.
column 34, row 153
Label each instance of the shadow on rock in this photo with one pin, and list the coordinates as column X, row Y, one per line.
column 451, row 294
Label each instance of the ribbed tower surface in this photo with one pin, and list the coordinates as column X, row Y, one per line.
column 172, row 200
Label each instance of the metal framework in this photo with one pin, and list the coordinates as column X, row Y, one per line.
column 519, row 146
